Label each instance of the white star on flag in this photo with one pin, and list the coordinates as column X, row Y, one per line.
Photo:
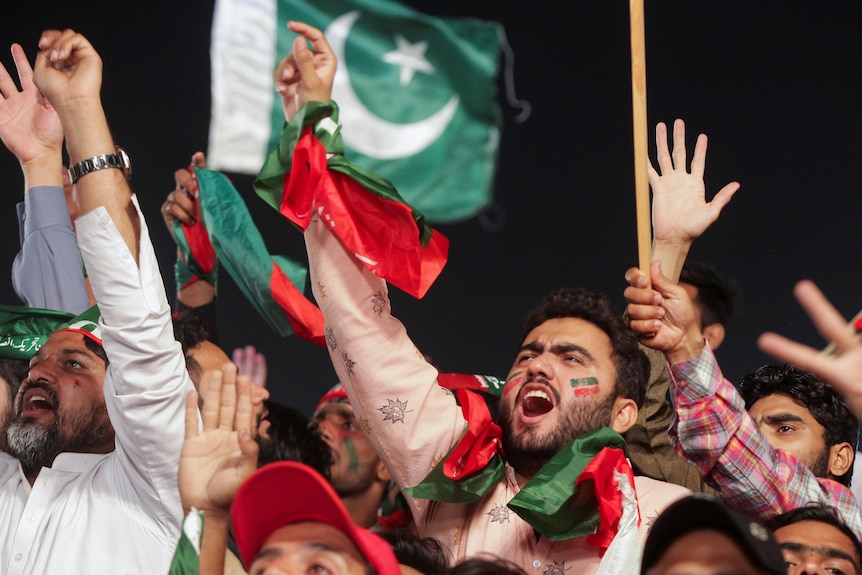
column 410, row 57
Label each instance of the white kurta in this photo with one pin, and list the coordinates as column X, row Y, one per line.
column 117, row 513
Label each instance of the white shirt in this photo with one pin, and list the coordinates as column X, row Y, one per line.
column 116, row 513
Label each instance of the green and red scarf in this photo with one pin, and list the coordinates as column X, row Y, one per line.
column 307, row 172
column 574, row 494
column 225, row 233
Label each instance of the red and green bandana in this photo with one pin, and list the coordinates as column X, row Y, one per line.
column 87, row 324
column 23, row 330
column 308, row 172
column 336, row 394
column 225, row 232
column 574, row 494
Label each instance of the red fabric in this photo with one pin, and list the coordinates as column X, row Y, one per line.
column 455, row 381
column 857, row 325
column 398, row 520
column 601, row 471
column 381, row 233
column 481, row 442
column 199, row 240
column 305, row 318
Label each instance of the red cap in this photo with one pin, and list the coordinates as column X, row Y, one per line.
column 287, row 492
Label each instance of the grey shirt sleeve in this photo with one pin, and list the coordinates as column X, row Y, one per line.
column 48, row 271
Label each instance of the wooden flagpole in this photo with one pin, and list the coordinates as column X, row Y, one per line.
column 639, row 117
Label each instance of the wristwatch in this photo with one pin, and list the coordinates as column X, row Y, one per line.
column 119, row 160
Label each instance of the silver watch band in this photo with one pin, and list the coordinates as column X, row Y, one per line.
column 119, row 160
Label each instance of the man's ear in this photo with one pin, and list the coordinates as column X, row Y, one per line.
column 624, row 414
column 714, row 334
column 841, row 459
column 383, row 472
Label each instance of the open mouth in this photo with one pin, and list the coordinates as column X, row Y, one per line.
column 37, row 400
column 536, row 402
column 537, row 399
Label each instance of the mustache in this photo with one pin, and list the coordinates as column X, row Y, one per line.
column 38, row 384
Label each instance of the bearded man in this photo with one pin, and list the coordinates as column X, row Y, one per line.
column 98, row 441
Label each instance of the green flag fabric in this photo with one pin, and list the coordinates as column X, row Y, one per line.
column 417, row 95
column 186, row 559
column 23, row 330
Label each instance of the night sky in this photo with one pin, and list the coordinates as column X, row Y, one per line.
column 776, row 86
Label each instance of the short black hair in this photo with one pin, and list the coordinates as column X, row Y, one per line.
column 817, row 512
column 291, row 439
column 486, row 565
column 825, row 404
column 97, row 349
column 189, row 330
column 425, row 554
column 716, row 295
column 631, row 363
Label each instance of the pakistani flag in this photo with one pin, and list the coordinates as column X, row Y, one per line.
column 417, row 95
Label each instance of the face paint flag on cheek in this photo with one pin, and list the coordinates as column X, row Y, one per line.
column 585, row 386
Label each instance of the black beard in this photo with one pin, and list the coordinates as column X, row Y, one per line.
column 820, row 467
column 527, row 453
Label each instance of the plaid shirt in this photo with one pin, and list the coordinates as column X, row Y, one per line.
column 713, row 431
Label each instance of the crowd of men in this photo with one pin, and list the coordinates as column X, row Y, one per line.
column 130, row 437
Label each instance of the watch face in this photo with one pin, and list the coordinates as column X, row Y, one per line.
column 126, row 162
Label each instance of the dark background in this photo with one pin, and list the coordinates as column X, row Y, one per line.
column 775, row 85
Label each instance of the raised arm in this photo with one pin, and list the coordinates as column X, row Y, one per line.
column 843, row 369
column 47, row 272
column 412, row 421
column 69, row 74
column 681, row 212
column 146, row 381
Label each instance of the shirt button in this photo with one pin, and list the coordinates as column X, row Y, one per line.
column 126, row 254
column 537, row 563
column 31, row 518
column 104, row 220
column 18, row 557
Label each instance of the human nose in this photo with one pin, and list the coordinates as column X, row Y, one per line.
column 327, row 429
column 42, row 371
column 259, row 394
column 540, row 366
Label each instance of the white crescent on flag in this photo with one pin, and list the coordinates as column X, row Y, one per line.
column 370, row 134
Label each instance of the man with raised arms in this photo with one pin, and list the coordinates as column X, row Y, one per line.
column 576, row 382
column 98, row 424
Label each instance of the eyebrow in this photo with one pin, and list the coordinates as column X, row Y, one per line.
column 830, row 552
column 781, row 418
column 65, row 353
column 557, row 349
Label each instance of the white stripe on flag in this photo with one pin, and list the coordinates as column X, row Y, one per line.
column 243, row 58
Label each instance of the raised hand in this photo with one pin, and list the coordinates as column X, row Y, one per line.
column 68, row 69
column 843, row 369
column 180, row 203
column 662, row 316
column 29, row 125
column 251, row 364
column 680, row 209
column 305, row 76
column 215, row 461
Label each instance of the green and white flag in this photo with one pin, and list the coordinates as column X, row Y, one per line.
column 417, row 94
column 186, row 559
